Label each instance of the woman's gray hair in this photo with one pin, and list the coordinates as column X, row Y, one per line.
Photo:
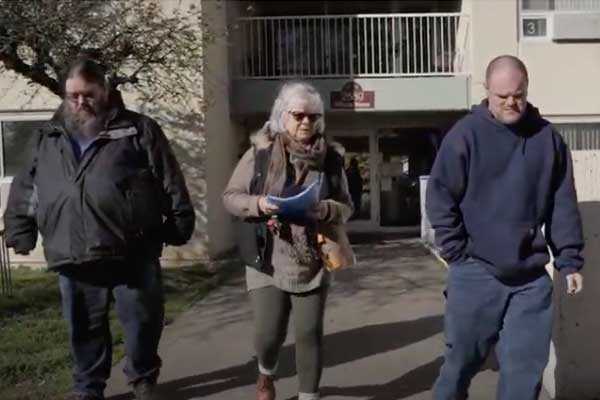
column 288, row 92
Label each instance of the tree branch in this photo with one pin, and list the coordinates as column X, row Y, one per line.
column 13, row 62
column 135, row 39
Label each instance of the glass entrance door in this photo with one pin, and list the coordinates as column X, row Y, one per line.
column 404, row 155
column 357, row 163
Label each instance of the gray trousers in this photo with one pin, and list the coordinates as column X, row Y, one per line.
column 272, row 308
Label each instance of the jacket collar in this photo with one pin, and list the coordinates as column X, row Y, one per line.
column 118, row 123
column 263, row 138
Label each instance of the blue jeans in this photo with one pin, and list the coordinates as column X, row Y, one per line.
column 480, row 311
column 87, row 291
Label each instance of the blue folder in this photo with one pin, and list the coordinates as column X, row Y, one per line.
column 296, row 206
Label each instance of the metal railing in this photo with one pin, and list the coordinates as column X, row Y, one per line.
column 370, row 45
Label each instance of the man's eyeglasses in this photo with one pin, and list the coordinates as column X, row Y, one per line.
column 74, row 98
column 299, row 116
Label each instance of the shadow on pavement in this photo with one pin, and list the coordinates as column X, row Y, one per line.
column 340, row 347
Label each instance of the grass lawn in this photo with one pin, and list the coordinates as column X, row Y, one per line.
column 34, row 349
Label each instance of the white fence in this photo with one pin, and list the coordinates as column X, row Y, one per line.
column 371, row 45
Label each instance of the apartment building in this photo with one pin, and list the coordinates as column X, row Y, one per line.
column 395, row 75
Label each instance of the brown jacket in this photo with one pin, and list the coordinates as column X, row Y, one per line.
column 284, row 271
column 239, row 202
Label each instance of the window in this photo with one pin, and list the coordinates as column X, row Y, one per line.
column 16, row 138
column 581, row 136
column 537, row 5
column 560, row 20
column 560, row 5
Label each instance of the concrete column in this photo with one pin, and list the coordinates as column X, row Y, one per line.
column 221, row 132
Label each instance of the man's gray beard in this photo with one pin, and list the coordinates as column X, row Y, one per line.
column 85, row 128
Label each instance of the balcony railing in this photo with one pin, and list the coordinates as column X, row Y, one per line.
column 370, row 45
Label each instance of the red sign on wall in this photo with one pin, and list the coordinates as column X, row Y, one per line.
column 352, row 96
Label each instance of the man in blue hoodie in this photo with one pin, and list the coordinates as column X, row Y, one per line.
column 500, row 195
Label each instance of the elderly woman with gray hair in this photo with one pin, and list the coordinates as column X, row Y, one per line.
column 285, row 274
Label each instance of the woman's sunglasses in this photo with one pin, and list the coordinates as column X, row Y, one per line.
column 299, row 116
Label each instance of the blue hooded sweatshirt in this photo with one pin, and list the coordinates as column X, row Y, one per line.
column 492, row 189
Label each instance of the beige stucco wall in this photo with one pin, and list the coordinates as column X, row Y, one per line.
column 17, row 94
column 493, row 32
column 564, row 77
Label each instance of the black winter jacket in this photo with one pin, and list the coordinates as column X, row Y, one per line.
column 126, row 192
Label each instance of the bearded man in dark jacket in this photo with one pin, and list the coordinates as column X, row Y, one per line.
column 105, row 191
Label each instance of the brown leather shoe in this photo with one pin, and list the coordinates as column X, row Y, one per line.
column 265, row 389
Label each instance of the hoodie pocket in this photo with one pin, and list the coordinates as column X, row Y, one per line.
column 538, row 240
column 506, row 245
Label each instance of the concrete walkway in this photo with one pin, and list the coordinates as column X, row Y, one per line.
column 384, row 336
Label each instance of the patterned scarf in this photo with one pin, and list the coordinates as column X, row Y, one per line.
column 303, row 157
